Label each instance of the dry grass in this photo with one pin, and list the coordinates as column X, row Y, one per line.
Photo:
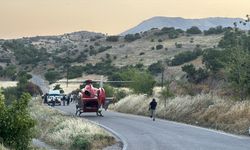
column 61, row 130
column 5, row 84
column 204, row 110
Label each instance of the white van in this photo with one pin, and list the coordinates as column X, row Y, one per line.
column 54, row 95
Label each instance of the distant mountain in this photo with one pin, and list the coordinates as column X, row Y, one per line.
column 181, row 23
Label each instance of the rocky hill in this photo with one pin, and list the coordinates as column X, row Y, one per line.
column 181, row 23
column 44, row 53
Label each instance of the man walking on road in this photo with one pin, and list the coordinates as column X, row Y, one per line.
column 152, row 107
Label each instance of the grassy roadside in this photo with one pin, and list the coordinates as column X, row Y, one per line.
column 67, row 132
column 2, row 147
column 203, row 110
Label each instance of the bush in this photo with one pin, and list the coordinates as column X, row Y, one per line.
column 178, row 45
column 16, row 123
column 156, row 68
column 75, row 71
column 184, row 57
column 109, row 90
column 132, row 37
column 9, row 72
column 213, row 59
column 52, row 76
column 101, row 68
column 26, row 53
column 216, row 30
column 103, row 48
column 158, row 47
column 194, row 75
column 81, row 142
column 141, row 53
column 194, row 30
column 171, row 32
column 112, row 38
column 119, row 94
column 143, row 82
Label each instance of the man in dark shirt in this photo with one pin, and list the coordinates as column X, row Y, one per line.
column 152, row 107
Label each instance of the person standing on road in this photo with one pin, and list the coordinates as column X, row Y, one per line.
column 64, row 99
column 152, row 107
column 68, row 99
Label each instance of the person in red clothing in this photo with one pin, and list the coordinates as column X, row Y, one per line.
column 152, row 108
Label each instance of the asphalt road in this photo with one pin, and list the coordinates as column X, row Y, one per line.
column 38, row 80
column 141, row 133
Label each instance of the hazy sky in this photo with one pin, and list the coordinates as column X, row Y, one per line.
column 20, row 18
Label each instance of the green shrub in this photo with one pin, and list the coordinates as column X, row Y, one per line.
column 216, row 30
column 26, row 53
column 156, row 68
column 158, row 47
column 171, row 32
column 81, row 142
column 16, row 123
column 194, row 75
column 9, row 72
column 112, row 38
column 119, row 94
column 194, row 30
column 178, row 45
column 109, row 90
column 184, row 57
column 132, row 37
column 143, row 82
column 75, row 71
column 213, row 59
column 141, row 53
column 103, row 48
column 52, row 76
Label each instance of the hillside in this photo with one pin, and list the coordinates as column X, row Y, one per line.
column 181, row 23
column 81, row 48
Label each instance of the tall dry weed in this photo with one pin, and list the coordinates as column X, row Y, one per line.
column 61, row 130
column 205, row 110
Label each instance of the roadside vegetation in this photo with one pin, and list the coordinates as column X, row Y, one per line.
column 213, row 94
column 204, row 110
column 65, row 131
column 23, row 118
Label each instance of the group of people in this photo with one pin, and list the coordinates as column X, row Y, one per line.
column 65, row 100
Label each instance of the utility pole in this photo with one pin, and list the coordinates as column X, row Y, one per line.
column 67, row 67
column 162, row 76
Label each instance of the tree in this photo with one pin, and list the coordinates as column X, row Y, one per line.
column 142, row 82
column 57, row 87
column 156, row 68
column 194, row 30
column 214, row 59
column 194, row 75
column 166, row 92
column 132, row 37
column 16, row 123
column 238, row 69
column 112, row 38
column 52, row 76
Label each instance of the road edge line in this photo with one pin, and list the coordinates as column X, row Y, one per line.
column 117, row 135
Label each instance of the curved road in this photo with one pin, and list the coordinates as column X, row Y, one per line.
column 141, row 133
column 38, row 80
